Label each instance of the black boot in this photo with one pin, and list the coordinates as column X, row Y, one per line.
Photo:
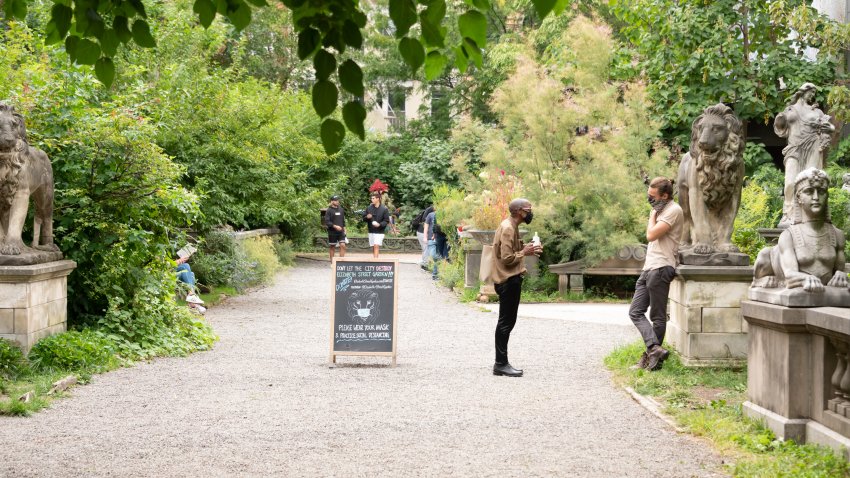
column 506, row 369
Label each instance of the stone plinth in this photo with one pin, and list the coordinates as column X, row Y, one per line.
column 771, row 235
column 472, row 266
column 34, row 301
column 830, row 297
column 706, row 325
column 724, row 259
column 798, row 379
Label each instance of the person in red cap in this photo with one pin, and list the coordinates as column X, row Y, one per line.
column 377, row 216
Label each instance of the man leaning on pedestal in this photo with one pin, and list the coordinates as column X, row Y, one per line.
column 508, row 269
column 663, row 231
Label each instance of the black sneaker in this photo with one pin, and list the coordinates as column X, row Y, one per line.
column 644, row 358
column 656, row 356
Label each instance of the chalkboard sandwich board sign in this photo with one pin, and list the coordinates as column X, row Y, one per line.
column 364, row 307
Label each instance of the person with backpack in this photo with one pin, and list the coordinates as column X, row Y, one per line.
column 434, row 236
column 418, row 225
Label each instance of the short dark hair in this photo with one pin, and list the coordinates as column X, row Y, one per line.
column 375, row 194
column 663, row 185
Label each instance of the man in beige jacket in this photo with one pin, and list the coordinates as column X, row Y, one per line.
column 508, row 269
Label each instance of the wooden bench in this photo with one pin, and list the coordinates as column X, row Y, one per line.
column 627, row 262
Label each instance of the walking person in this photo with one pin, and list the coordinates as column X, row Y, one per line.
column 418, row 223
column 508, row 268
column 377, row 217
column 663, row 231
column 335, row 222
column 432, row 231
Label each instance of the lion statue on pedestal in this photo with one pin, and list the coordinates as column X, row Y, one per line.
column 24, row 171
column 710, row 178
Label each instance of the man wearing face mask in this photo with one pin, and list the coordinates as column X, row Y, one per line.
column 663, row 231
column 508, row 269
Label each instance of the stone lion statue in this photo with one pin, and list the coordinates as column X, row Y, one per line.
column 24, row 171
column 710, row 178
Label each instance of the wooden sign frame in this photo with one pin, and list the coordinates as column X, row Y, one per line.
column 335, row 353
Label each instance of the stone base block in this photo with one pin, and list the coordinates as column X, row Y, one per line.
column 785, row 428
column 830, row 297
column 472, row 265
column 801, row 430
column 706, row 325
column 821, row 435
column 708, row 349
column 30, row 256
column 34, row 301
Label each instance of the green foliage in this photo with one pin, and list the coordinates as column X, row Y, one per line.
column 696, row 53
column 756, row 450
column 284, row 251
column 261, row 252
column 451, row 271
column 221, row 260
column 453, row 207
column 12, row 361
column 755, row 157
column 74, row 351
column 587, row 189
column 755, row 212
column 249, row 148
column 413, row 164
column 93, row 30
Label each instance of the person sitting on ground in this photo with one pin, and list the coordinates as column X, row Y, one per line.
column 186, row 276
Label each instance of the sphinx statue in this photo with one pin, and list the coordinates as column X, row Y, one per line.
column 806, row 267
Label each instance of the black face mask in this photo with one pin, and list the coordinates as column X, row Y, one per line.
column 657, row 204
column 529, row 217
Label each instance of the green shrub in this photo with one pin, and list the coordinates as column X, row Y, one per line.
column 12, row 361
column 284, row 250
column 74, row 350
column 261, row 252
column 221, row 261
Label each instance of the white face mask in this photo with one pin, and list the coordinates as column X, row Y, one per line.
column 363, row 313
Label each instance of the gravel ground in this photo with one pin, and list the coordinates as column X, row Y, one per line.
column 265, row 402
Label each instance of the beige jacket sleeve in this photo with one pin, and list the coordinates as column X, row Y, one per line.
column 509, row 254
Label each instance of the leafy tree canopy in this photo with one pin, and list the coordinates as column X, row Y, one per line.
column 93, row 31
column 696, row 53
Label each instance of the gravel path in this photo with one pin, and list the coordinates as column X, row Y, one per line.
column 264, row 402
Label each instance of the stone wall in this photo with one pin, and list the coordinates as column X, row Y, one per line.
column 798, row 377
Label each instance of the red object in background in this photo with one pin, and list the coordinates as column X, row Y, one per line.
column 378, row 186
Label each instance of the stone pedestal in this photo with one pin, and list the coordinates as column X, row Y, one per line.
column 706, row 325
column 34, row 301
column 472, row 266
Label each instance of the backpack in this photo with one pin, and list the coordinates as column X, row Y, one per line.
column 418, row 220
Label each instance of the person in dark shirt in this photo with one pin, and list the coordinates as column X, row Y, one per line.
column 335, row 222
column 420, row 235
column 377, row 217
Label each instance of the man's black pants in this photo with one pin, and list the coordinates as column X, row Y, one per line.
column 651, row 292
column 509, row 293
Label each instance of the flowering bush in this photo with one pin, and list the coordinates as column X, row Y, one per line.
column 499, row 190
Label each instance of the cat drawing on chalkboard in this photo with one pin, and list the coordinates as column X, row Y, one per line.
column 363, row 306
